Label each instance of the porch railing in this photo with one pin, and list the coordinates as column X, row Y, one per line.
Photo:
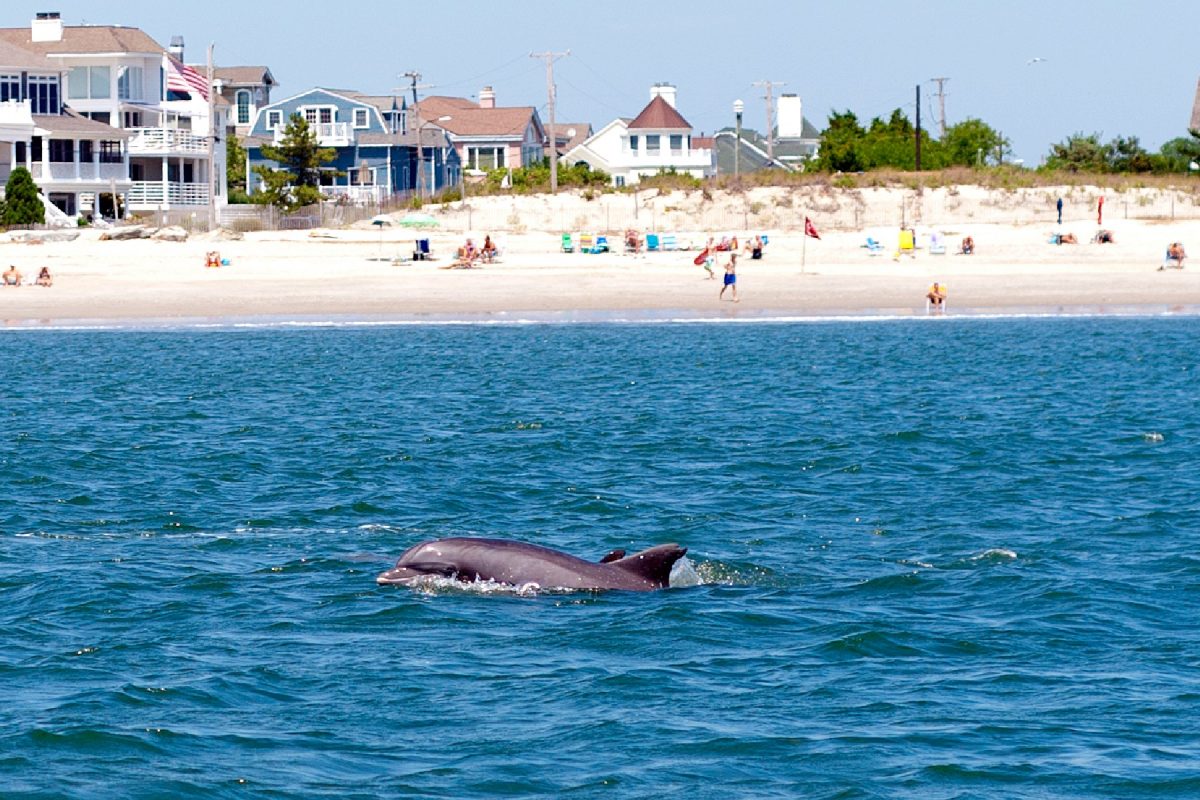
column 163, row 141
column 152, row 194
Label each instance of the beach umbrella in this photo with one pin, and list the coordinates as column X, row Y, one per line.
column 380, row 220
column 415, row 220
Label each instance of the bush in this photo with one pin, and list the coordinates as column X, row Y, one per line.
column 21, row 203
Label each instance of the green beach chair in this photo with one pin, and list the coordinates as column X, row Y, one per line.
column 568, row 246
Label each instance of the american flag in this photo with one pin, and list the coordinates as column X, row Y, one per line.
column 182, row 78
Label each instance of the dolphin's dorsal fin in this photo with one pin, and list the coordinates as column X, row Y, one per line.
column 613, row 555
column 653, row 565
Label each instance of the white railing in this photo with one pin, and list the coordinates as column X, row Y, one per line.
column 329, row 134
column 15, row 112
column 64, row 172
column 354, row 194
column 166, row 141
column 153, row 194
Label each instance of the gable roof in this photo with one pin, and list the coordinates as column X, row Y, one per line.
column 658, row 114
column 85, row 39
column 570, row 134
column 243, row 76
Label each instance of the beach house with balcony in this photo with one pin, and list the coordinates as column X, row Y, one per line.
column 152, row 151
column 375, row 142
column 658, row 139
column 487, row 136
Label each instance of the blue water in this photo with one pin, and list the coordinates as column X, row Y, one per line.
column 938, row 559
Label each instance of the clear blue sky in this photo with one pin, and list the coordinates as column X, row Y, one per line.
column 1116, row 68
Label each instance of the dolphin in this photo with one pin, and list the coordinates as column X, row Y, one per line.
column 519, row 563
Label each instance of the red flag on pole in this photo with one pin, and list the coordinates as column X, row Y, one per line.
column 810, row 229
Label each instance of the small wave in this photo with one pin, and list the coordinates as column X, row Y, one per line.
column 996, row 554
column 1153, row 437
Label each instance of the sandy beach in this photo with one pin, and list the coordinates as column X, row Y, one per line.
column 360, row 271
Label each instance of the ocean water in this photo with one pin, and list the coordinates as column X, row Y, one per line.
column 953, row 558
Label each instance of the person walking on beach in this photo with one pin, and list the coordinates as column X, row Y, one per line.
column 1060, row 211
column 730, row 278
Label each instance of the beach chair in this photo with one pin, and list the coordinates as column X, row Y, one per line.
column 601, row 245
column 586, row 242
column 937, row 245
column 874, row 247
column 907, row 244
column 651, row 242
column 568, row 246
column 669, row 243
column 421, row 251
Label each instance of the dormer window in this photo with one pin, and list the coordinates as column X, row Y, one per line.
column 274, row 118
column 360, row 118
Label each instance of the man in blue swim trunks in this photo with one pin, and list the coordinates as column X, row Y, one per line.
column 730, row 278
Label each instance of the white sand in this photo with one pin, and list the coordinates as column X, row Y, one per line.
column 338, row 273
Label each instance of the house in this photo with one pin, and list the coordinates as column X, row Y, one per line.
column 794, row 144
column 377, row 153
column 245, row 89
column 657, row 140
column 68, row 155
column 117, row 78
column 487, row 136
column 568, row 135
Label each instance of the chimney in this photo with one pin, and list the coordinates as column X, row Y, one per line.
column 176, row 48
column 47, row 27
column 487, row 97
column 789, row 123
column 664, row 90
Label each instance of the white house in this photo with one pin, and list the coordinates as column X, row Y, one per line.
column 658, row 139
column 155, row 154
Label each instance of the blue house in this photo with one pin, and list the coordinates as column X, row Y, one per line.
column 375, row 140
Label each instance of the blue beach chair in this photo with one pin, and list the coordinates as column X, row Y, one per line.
column 668, row 242
column 651, row 242
column 601, row 245
column 874, row 247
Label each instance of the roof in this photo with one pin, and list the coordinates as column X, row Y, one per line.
column 659, row 115
column 243, row 76
column 384, row 102
column 85, row 39
column 71, row 122
column 1196, row 110
column 468, row 119
column 703, row 142
column 568, row 135
column 13, row 56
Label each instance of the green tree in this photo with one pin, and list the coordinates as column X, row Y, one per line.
column 235, row 167
column 297, row 180
column 841, row 142
column 1078, row 153
column 1180, row 153
column 21, row 203
column 971, row 143
column 1126, row 154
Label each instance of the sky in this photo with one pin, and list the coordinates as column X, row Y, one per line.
column 1107, row 67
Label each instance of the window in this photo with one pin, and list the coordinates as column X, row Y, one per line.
column 10, row 87
column 243, row 106
column 676, row 143
column 652, row 144
column 633, row 143
column 360, row 118
column 274, row 118
column 62, row 151
column 485, row 158
column 35, row 149
column 84, row 83
column 326, row 116
column 130, row 83
column 85, row 151
column 43, row 94
column 133, row 119
column 110, row 153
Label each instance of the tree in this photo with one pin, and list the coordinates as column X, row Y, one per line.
column 840, row 144
column 1078, row 153
column 971, row 143
column 235, row 166
column 1126, row 154
column 21, row 203
column 1180, row 153
column 295, row 184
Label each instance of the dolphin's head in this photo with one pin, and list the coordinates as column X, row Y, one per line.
column 417, row 562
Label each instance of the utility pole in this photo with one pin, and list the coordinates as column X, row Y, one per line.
column 770, row 97
column 918, row 127
column 941, row 96
column 212, row 140
column 551, row 96
column 413, row 76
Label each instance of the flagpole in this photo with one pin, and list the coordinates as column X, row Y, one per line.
column 211, row 137
column 804, row 246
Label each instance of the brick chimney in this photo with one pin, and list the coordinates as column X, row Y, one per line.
column 47, row 27
column 487, row 97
